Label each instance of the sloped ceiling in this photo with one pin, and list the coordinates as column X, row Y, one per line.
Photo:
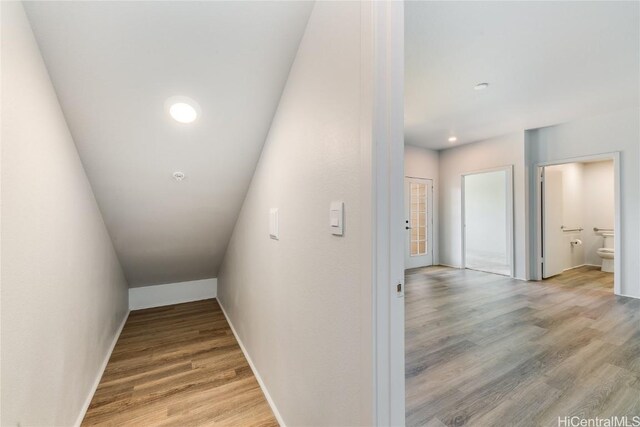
column 114, row 64
column 546, row 63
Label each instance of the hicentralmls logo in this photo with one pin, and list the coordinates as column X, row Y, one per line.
column 599, row 422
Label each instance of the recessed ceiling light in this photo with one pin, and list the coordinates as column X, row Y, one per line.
column 452, row 139
column 481, row 86
column 183, row 112
column 182, row 109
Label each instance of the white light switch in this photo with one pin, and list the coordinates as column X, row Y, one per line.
column 336, row 218
column 273, row 223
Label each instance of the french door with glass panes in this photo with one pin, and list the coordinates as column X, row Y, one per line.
column 418, row 195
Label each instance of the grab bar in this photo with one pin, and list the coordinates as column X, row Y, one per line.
column 597, row 230
column 568, row 230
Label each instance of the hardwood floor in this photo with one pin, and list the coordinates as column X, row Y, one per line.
column 487, row 350
column 178, row 365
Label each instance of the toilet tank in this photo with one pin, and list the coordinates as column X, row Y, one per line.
column 608, row 240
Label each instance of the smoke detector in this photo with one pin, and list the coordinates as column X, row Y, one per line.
column 178, row 176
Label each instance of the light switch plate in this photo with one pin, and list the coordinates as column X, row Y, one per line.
column 273, row 224
column 336, row 218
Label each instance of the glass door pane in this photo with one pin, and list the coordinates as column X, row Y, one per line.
column 418, row 219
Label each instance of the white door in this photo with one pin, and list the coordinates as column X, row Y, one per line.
column 553, row 250
column 488, row 221
column 418, row 196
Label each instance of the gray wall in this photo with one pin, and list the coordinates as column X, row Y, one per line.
column 297, row 303
column 63, row 292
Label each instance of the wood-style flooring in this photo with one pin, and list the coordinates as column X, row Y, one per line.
column 487, row 350
column 178, row 365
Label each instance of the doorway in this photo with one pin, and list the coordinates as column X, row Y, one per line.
column 418, row 197
column 578, row 219
column 487, row 214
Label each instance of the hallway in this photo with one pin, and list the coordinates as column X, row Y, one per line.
column 208, row 210
column 178, row 365
column 483, row 349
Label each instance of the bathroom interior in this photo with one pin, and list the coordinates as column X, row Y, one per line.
column 579, row 217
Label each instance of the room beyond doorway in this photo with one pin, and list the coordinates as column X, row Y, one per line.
column 578, row 216
column 487, row 212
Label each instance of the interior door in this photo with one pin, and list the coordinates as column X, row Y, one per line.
column 418, row 196
column 552, row 216
column 488, row 221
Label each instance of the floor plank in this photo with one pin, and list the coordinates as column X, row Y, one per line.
column 178, row 365
column 486, row 350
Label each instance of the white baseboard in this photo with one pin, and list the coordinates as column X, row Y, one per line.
column 172, row 293
column 87, row 402
column 255, row 371
column 457, row 267
column 582, row 265
column 451, row 266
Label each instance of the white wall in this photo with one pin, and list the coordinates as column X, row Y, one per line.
column 297, row 302
column 617, row 131
column 172, row 293
column 64, row 296
column 599, row 206
column 454, row 162
column 421, row 162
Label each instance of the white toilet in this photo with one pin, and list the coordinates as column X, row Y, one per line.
column 606, row 252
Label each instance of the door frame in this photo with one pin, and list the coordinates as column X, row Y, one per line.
column 382, row 276
column 617, row 226
column 510, row 215
column 430, row 213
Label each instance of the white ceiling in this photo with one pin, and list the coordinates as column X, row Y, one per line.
column 546, row 63
column 114, row 64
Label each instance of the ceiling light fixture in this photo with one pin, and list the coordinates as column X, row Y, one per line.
column 481, row 86
column 452, row 139
column 183, row 113
column 182, row 109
